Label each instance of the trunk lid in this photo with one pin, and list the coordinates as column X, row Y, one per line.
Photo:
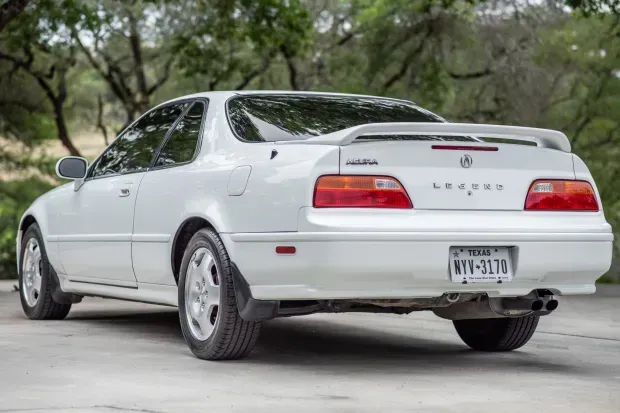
column 441, row 179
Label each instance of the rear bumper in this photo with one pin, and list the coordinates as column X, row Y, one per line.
column 349, row 265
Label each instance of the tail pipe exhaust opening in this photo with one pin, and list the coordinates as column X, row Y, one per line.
column 453, row 297
column 537, row 305
column 552, row 305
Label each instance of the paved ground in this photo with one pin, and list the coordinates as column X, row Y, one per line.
column 111, row 357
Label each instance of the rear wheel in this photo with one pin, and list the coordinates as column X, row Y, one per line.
column 35, row 285
column 496, row 334
column 210, row 320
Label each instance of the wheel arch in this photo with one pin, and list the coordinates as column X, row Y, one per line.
column 183, row 235
column 27, row 220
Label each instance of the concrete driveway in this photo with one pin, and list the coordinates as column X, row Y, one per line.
column 111, row 356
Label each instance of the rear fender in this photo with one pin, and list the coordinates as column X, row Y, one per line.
column 583, row 173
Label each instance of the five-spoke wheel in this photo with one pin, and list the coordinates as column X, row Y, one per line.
column 35, row 279
column 210, row 320
column 202, row 293
column 31, row 272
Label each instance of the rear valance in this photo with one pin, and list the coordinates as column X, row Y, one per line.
column 545, row 138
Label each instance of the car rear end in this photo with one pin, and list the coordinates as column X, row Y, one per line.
column 417, row 211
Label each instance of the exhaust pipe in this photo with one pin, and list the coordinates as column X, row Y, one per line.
column 453, row 297
column 552, row 305
column 496, row 307
column 522, row 304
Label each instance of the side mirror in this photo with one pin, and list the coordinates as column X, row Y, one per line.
column 72, row 167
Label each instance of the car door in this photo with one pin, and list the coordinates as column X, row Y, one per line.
column 165, row 192
column 95, row 222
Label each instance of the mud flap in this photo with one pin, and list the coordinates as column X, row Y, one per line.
column 58, row 295
column 249, row 308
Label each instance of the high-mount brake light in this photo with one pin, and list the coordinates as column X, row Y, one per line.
column 359, row 191
column 561, row 195
column 466, row 148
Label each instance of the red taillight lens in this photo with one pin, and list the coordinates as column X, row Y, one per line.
column 356, row 191
column 554, row 195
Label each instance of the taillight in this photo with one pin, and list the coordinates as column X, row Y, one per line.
column 556, row 195
column 357, row 191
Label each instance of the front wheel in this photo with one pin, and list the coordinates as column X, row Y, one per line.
column 35, row 283
column 210, row 320
column 496, row 334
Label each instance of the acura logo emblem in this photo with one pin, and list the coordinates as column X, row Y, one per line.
column 466, row 161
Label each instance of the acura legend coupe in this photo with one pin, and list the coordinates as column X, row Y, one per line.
column 239, row 207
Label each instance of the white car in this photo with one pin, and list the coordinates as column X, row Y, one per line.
column 239, row 207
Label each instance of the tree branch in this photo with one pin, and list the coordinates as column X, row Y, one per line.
column 405, row 64
column 292, row 70
column 344, row 39
column 255, row 73
column 164, row 78
column 57, row 100
column 112, row 75
column 472, row 75
column 409, row 58
column 9, row 10
column 24, row 105
column 608, row 139
column 588, row 118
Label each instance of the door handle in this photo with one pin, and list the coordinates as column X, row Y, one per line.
column 124, row 192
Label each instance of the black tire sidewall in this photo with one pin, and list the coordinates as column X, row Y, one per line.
column 497, row 334
column 37, row 311
column 205, row 238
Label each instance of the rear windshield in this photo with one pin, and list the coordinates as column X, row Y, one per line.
column 268, row 118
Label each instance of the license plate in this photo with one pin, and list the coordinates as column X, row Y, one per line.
column 480, row 264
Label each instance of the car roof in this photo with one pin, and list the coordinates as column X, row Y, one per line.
column 230, row 93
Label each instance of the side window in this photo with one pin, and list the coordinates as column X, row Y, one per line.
column 134, row 150
column 183, row 142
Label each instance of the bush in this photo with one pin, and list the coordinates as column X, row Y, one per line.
column 15, row 198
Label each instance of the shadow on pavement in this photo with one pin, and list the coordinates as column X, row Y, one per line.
column 161, row 324
column 322, row 344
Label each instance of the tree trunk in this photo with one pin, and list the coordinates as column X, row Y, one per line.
column 61, row 127
column 100, row 124
column 141, row 100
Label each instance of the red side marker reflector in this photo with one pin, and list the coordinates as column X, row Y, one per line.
column 281, row 249
column 466, row 148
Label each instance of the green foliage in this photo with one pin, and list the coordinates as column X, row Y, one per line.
column 15, row 197
column 224, row 39
column 589, row 7
column 103, row 62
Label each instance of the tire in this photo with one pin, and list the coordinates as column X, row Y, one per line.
column 225, row 336
column 35, row 284
column 496, row 334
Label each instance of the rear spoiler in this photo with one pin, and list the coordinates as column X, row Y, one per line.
column 545, row 138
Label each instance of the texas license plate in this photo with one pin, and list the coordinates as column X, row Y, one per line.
column 480, row 264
